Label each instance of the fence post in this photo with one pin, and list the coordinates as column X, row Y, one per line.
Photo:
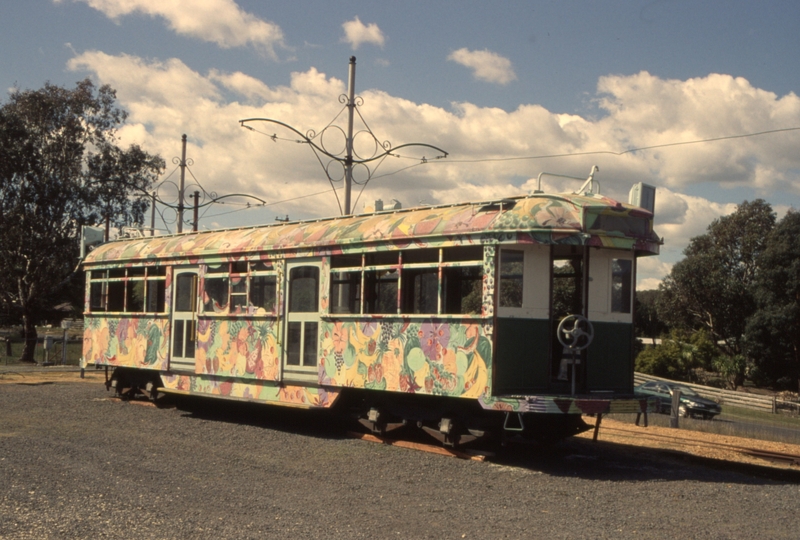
column 675, row 409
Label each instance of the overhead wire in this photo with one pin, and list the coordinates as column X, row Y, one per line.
column 490, row 160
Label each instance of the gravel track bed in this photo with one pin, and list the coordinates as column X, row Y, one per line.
column 75, row 464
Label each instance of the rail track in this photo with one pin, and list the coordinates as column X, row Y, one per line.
column 482, row 455
column 779, row 457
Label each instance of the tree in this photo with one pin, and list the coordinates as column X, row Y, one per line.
column 646, row 320
column 712, row 288
column 678, row 356
column 773, row 332
column 61, row 168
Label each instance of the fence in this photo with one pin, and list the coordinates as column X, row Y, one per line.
column 739, row 399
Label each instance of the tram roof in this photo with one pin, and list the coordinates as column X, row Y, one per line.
column 537, row 218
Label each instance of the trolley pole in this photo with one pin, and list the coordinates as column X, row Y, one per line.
column 348, row 160
column 196, row 208
column 183, row 177
column 153, row 216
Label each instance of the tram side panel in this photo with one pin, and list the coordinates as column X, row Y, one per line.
column 136, row 339
column 609, row 359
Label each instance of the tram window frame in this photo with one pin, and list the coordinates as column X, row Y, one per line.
column 135, row 289
column 512, row 279
column 425, row 282
column 621, row 284
column 240, row 288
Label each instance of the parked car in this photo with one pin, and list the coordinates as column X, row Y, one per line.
column 692, row 404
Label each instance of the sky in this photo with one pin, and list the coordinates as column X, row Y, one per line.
column 509, row 89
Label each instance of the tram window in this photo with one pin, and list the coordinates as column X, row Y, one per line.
column 293, row 336
column 156, row 295
column 116, row 295
column 621, row 278
column 345, row 292
column 239, row 292
column 420, row 290
column 462, row 253
column 304, row 289
column 381, row 258
column 239, row 267
column 134, row 300
column 427, row 255
column 260, row 266
column 262, row 293
column 462, row 290
column 240, row 287
column 185, row 292
column 130, row 290
column 567, row 287
column 215, row 288
column 512, row 270
column 97, row 296
column 346, row 261
column 380, row 291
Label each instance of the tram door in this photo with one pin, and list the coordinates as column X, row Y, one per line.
column 184, row 319
column 302, row 320
column 569, row 277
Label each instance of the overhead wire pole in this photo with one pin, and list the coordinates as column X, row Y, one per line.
column 348, row 159
column 183, row 177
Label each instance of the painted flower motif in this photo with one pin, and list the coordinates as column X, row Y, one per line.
column 557, row 217
column 339, row 338
column 369, row 328
column 433, row 338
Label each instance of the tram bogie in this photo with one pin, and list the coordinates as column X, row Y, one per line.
column 444, row 318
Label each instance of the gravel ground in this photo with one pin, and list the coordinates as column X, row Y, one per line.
column 76, row 464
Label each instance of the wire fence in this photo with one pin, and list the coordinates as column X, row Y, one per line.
column 773, row 404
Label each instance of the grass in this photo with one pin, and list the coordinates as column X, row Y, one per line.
column 736, row 422
column 74, row 352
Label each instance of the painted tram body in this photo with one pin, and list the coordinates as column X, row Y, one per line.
column 443, row 316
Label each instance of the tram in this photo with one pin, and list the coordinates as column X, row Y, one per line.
column 510, row 316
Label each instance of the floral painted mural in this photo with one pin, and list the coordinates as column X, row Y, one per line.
column 140, row 342
column 426, row 357
column 242, row 348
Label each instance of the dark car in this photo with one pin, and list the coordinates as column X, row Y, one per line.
column 692, row 404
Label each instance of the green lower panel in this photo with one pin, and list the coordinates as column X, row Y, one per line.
column 521, row 358
column 609, row 365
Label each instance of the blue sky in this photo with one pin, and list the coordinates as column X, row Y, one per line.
column 485, row 81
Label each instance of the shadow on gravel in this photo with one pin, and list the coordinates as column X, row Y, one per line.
column 576, row 457
column 617, row 462
column 318, row 423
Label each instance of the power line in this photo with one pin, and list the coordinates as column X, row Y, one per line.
column 611, row 152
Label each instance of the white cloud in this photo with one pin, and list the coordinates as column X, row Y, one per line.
column 485, row 65
column 167, row 98
column 356, row 33
column 220, row 21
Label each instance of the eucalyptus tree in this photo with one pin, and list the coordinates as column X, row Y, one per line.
column 773, row 332
column 61, row 167
column 712, row 288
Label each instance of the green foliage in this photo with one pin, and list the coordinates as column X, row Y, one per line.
column 678, row 355
column 712, row 288
column 61, row 168
column 647, row 322
column 732, row 369
column 773, row 332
